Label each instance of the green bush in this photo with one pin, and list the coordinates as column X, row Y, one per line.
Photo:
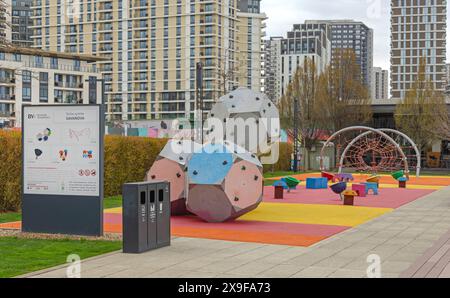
column 10, row 170
column 127, row 159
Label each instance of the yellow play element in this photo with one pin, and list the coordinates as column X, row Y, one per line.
column 413, row 186
column 117, row 210
column 336, row 215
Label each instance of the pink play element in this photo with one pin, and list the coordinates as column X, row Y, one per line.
column 243, row 182
column 241, row 225
column 360, row 189
column 169, row 170
column 259, row 226
column 389, row 198
column 329, row 176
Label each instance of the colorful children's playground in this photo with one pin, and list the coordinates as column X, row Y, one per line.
column 218, row 189
column 303, row 216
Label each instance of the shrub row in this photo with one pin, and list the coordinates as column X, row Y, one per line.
column 127, row 159
column 10, row 170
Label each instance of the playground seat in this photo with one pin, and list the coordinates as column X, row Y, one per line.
column 371, row 186
column 360, row 189
column 398, row 174
column 316, row 183
column 281, row 183
column 402, row 182
column 339, row 187
column 374, row 179
column 291, row 182
column 349, row 196
column 329, row 176
column 345, row 177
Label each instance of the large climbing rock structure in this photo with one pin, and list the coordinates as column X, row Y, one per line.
column 225, row 182
column 170, row 166
column 252, row 107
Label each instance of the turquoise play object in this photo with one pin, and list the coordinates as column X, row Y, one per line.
column 316, row 183
column 371, row 186
column 210, row 165
column 288, row 183
column 224, row 182
column 281, row 183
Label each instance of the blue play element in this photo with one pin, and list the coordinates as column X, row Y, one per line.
column 316, row 183
column 281, row 183
column 402, row 179
column 371, row 186
column 210, row 165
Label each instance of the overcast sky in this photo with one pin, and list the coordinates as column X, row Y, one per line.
column 283, row 14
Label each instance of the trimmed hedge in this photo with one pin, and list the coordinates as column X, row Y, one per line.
column 127, row 159
column 10, row 170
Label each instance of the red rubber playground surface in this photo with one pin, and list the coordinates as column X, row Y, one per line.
column 303, row 218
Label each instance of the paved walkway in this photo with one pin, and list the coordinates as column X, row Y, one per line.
column 399, row 238
column 435, row 263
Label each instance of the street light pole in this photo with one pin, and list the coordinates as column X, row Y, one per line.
column 295, row 165
column 199, row 97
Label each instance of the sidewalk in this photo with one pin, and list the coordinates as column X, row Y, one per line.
column 400, row 238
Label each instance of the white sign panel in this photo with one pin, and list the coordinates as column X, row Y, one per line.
column 61, row 147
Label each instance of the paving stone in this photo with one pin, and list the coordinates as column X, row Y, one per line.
column 280, row 271
column 252, row 268
column 346, row 273
column 394, row 266
column 314, row 272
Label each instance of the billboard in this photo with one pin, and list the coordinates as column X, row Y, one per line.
column 61, row 147
column 62, row 155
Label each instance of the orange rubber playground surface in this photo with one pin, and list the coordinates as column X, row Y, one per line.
column 304, row 217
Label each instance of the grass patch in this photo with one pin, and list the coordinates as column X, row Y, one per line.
column 9, row 217
column 278, row 174
column 112, row 202
column 20, row 256
column 285, row 173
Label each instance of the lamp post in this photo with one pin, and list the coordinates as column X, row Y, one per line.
column 295, row 165
column 199, row 97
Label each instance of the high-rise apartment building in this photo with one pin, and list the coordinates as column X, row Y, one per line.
column 354, row 35
column 21, row 22
column 308, row 40
column 380, row 78
column 418, row 30
column 272, row 68
column 16, row 22
column 153, row 47
column 5, row 21
column 250, row 32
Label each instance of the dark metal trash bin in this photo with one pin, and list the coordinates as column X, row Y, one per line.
column 143, row 230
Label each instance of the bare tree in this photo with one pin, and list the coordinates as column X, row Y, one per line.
column 344, row 100
column 423, row 113
column 302, row 88
column 227, row 71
